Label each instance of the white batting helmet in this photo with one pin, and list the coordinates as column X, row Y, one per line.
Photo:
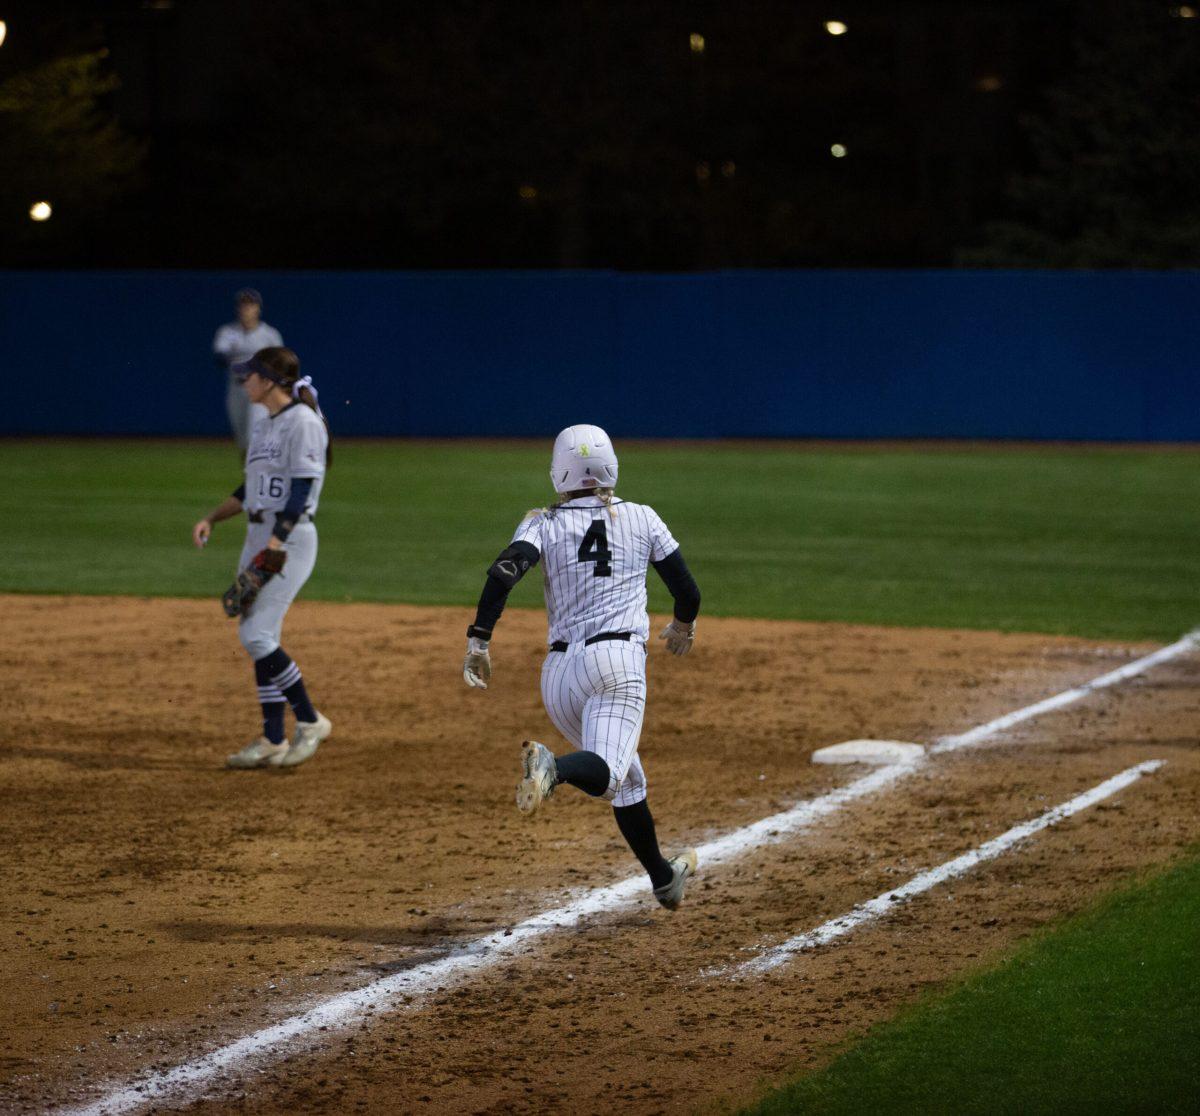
column 583, row 458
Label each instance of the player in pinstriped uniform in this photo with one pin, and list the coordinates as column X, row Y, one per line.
column 595, row 550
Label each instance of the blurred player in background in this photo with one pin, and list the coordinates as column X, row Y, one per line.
column 595, row 550
column 285, row 469
column 236, row 342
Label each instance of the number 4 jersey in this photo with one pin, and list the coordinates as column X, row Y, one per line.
column 283, row 446
column 595, row 563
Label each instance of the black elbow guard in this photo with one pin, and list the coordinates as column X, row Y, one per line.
column 513, row 563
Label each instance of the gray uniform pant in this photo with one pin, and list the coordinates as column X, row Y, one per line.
column 259, row 630
column 238, row 407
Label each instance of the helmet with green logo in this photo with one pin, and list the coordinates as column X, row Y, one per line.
column 583, row 458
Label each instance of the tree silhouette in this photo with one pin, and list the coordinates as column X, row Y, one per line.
column 1117, row 150
column 58, row 143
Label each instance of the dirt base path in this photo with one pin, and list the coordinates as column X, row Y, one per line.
column 153, row 905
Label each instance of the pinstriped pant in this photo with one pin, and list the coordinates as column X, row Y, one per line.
column 596, row 697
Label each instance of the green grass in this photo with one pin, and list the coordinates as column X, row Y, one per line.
column 1101, row 1014
column 1099, row 542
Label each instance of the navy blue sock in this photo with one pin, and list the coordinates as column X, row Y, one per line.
column 273, row 720
column 637, row 827
column 283, row 673
column 270, row 697
column 585, row 770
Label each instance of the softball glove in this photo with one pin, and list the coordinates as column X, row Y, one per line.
column 241, row 595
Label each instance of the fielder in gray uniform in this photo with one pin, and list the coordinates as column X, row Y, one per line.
column 595, row 551
column 235, row 343
column 285, row 470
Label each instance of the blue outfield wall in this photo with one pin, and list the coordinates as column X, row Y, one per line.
column 832, row 354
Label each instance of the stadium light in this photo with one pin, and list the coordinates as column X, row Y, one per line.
column 837, row 150
column 836, row 27
column 527, row 192
column 696, row 42
column 40, row 211
column 3, row 32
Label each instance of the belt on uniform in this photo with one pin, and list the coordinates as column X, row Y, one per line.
column 562, row 645
column 257, row 517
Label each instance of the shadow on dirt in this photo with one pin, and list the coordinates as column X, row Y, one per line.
column 103, row 761
column 433, row 933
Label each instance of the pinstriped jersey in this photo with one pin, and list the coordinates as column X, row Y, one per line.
column 594, row 564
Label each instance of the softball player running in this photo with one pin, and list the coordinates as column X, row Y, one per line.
column 285, row 468
column 594, row 551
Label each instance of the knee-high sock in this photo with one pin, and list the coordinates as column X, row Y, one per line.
column 585, row 770
column 270, row 697
column 637, row 827
column 281, row 672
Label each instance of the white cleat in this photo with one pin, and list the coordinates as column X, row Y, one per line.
column 540, row 776
column 258, row 753
column 305, row 741
column 670, row 895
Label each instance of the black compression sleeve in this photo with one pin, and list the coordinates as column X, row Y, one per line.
column 293, row 509
column 239, row 493
column 682, row 586
column 503, row 574
column 491, row 604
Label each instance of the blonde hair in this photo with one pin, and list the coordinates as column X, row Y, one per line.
column 605, row 494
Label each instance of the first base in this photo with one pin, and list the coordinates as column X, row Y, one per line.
column 869, row 751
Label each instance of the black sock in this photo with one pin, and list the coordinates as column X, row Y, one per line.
column 637, row 827
column 585, row 770
column 283, row 673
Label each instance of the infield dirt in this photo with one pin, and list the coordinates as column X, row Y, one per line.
column 154, row 905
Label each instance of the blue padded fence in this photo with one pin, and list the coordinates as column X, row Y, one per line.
column 837, row 354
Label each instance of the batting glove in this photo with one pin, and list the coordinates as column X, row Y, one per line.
column 679, row 636
column 477, row 666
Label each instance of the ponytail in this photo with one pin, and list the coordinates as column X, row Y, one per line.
column 282, row 366
column 307, row 394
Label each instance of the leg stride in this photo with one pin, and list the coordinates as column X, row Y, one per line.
column 585, row 770
column 667, row 877
column 637, row 827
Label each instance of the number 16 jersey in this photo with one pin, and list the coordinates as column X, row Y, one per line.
column 594, row 563
column 283, row 447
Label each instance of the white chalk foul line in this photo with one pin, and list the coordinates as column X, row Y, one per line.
column 1069, row 697
column 883, row 904
column 343, row 1010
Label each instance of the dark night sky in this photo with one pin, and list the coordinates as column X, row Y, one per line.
column 577, row 133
